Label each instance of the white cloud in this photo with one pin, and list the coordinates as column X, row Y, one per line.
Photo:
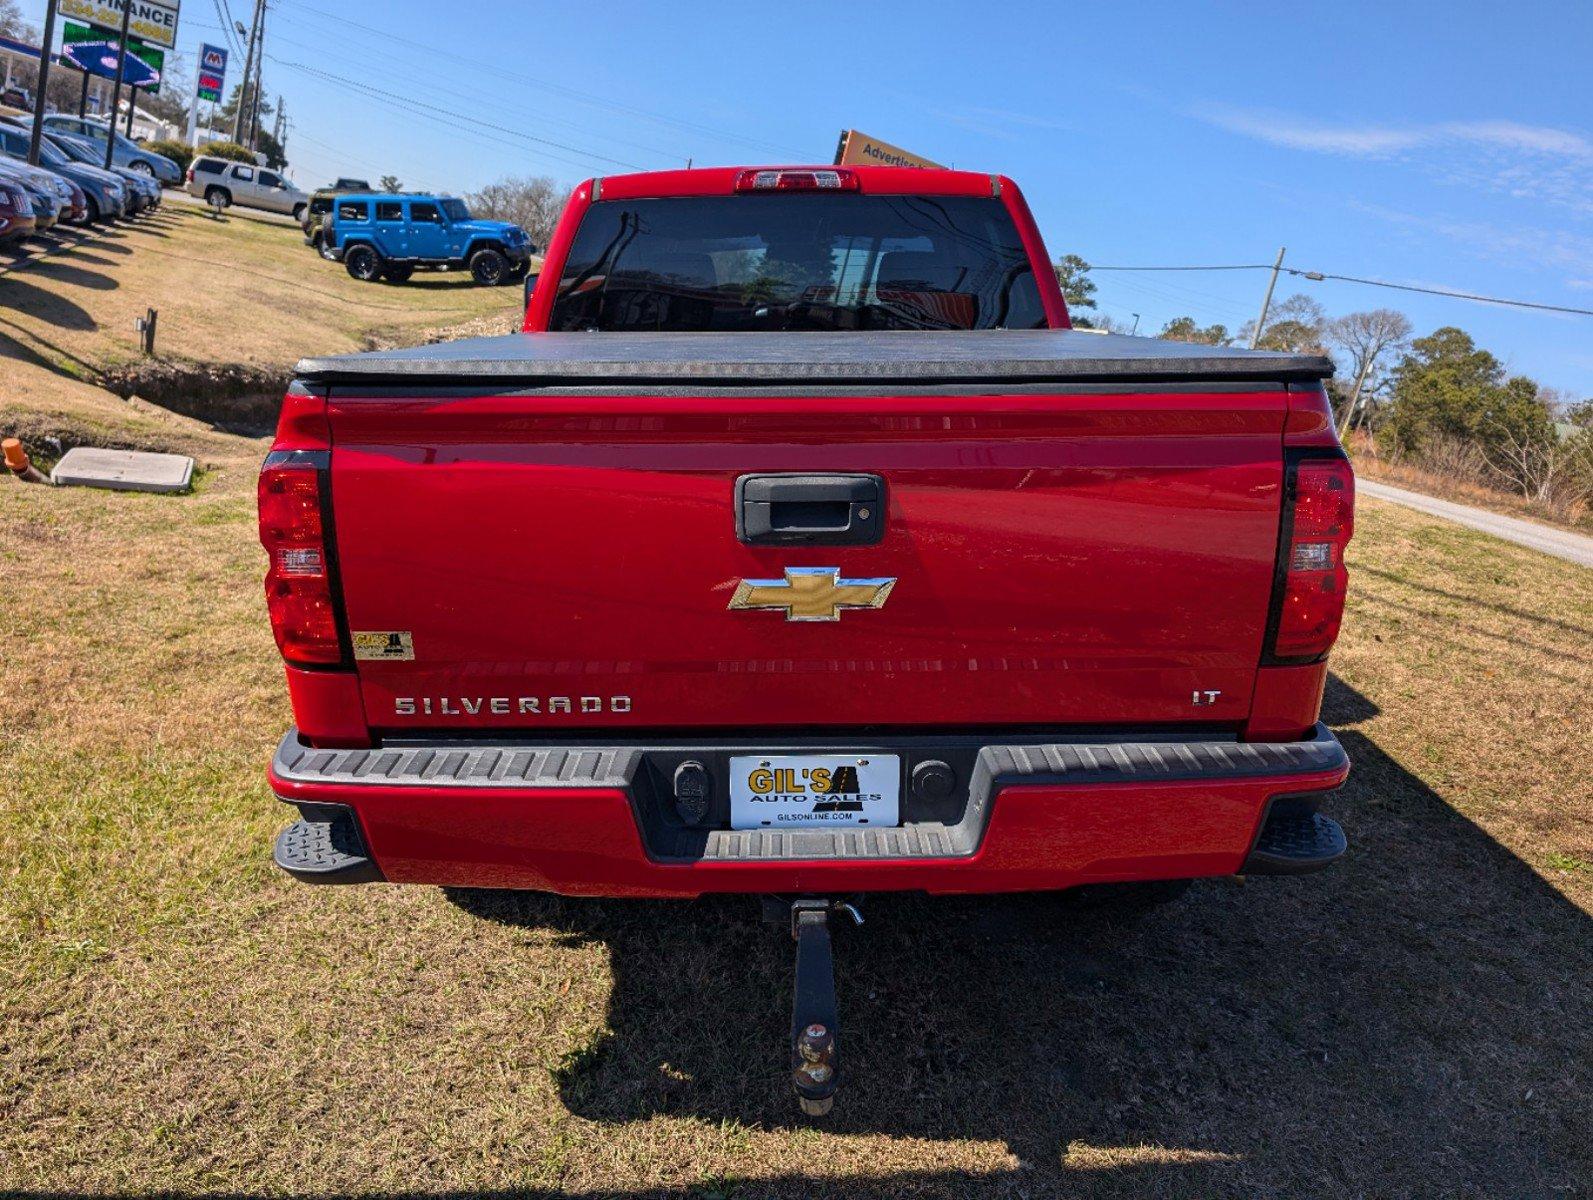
column 1558, row 249
column 1527, row 162
column 1512, row 135
column 1302, row 134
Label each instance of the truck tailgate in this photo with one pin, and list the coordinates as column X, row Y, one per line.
column 566, row 554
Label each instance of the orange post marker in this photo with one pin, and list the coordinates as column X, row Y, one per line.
column 17, row 461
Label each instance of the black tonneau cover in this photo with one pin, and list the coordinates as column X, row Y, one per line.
column 994, row 356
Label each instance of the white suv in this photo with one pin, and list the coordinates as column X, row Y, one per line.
column 245, row 184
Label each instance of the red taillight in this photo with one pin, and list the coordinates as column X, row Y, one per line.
column 190, row 174
column 809, row 179
column 1312, row 603
column 298, row 580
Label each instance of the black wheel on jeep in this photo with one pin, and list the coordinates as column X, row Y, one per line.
column 322, row 246
column 398, row 274
column 363, row 263
column 489, row 267
column 218, row 197
column 298, row 213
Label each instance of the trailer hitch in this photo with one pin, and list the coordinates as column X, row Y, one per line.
column 815, row 1021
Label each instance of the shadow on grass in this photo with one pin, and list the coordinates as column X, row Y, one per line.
column 65, row 268
column 18, row 294
column 1418, row 1014
column 1534, row 618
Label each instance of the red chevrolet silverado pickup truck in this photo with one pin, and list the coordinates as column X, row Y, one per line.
column 798, row 547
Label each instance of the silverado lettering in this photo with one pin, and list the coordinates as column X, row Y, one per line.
column 1114, row 565
column 502, row 706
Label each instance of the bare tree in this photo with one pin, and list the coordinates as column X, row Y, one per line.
column 12, row 25
column 1297, row 325
column 1367, row 338
column 531, row 202
column 1555, row 471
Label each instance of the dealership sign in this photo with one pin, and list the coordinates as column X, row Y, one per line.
column 93, row 51
column 212, row 72
column 152, row 21
column 858, row 149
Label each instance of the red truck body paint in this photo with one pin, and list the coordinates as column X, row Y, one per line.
column 561, row 556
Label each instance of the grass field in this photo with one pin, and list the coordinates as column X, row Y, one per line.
column 237, row 290
column 176, row 1015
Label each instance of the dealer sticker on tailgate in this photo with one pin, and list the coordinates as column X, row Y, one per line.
column 792, row 791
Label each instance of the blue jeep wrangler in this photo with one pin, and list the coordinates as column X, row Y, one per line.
column 379, row 236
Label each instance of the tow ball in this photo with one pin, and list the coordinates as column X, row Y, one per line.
column 815, row 1023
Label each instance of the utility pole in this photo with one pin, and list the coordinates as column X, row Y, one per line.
column 247, row 77
column 44, row 83
column 116, row 92
column 280, row 127
column 259, row 75
column 1355, row 398
column 1266, row 301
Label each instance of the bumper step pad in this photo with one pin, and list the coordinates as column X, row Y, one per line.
column 325, row 847
column 1295, row 843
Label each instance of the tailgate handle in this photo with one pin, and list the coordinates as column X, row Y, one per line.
column 810, row 510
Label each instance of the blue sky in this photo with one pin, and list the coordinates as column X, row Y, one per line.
column 1446, row 144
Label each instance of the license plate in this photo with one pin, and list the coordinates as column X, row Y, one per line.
column 794, row 791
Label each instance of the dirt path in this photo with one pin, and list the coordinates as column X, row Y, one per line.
column 1562, row 543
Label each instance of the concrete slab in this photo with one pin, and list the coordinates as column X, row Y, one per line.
column 124, row 470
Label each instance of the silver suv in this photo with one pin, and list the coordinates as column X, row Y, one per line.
column 245, row 184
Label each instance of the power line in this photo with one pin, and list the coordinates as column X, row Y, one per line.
column 1236, row 267
column 1410, row 287
column 1319, row 276
column 411, row 102
column 476, row 96
column 573, row 93
column 224, row 15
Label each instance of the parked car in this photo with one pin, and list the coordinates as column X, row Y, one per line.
column 826, row 560
column 105, row 194
column 388, row 235
column 47, row 191
column 314, row 220
column 124, row 151
column 139, row 191
column 17, row 97
column 16, row 212
column 245, row 184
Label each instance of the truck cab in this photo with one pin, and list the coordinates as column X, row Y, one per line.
column 389, row 235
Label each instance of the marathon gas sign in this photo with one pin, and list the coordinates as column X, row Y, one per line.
column 151, row 21
column 212, row 72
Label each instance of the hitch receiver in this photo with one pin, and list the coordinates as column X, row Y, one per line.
column 815, row 1021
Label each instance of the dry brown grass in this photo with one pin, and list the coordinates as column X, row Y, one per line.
column 1464, row 489
column 176, row 1015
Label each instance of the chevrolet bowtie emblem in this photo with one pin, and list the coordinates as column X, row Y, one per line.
column 812, row 593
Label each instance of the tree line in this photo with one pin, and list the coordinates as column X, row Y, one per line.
column 1439, row 402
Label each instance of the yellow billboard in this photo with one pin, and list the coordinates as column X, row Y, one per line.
column 858, row 150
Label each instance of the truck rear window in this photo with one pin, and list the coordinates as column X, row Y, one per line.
column 797, row 262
